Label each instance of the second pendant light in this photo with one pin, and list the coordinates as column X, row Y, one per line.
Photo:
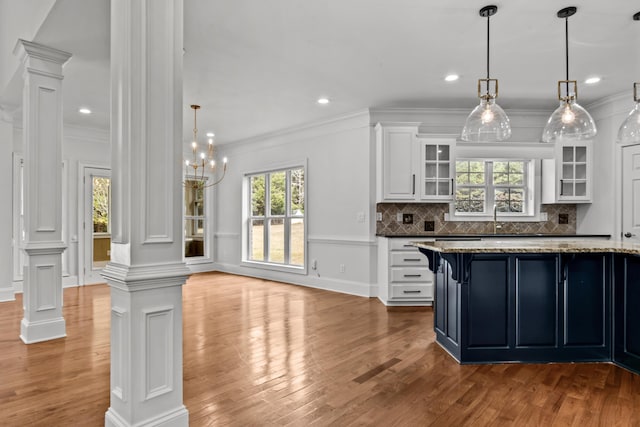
column 570, row 120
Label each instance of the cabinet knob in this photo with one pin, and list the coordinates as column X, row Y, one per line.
column 628, row 235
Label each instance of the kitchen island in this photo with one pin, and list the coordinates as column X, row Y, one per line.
column 537, row 301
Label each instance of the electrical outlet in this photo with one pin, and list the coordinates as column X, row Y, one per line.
column 407, row 218
column 399, row 217
column 378, row 216
column 429, row 226
column 563, row 218
column 342, row 268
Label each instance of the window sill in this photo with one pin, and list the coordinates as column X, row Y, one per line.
column 538, row 217
column 275, row 267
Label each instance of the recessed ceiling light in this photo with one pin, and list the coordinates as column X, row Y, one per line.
column 451, row 78
column 592, row 80
column 210, row 135
column 323, row 101
column 84, row 110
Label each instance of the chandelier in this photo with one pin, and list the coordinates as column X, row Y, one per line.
column 196, row 176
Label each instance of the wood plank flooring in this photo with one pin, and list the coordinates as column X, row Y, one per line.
column 260, row 353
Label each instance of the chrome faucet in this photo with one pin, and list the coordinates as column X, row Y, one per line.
column 495, row 219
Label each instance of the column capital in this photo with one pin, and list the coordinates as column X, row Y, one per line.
column 26, row 49
column 143, row 277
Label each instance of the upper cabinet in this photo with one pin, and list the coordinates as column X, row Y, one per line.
column 437, row 169
column 568, row 177
column 412, row 168
column 396, row 160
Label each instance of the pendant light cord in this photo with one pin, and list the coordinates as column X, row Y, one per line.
column 488, row 47
column 566, row 49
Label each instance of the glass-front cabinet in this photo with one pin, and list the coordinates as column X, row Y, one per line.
column 437, row 169
column 573, row 182
column 568, row 177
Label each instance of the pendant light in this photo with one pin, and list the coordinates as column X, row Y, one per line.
column 629, row 132
column 569, row 120
column 487, row 122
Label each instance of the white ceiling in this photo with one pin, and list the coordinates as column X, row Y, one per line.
column 259, row 66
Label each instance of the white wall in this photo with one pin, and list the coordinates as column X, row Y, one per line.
column 340, row 161
column 603, row 216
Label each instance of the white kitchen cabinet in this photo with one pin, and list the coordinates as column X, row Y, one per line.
column 396, row 152
column 413, row 168
column 404, row 278
column 568, row 177
column 438, row 168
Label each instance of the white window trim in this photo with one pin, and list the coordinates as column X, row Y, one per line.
column 208, row 226
column 246, row 217
column 533, row 182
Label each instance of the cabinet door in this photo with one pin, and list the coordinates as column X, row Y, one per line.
column 574, row 164
column 399, row 179
column 437, row 164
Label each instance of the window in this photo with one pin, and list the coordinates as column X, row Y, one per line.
column 194, row 219
column 276, row 221
column 483, row 184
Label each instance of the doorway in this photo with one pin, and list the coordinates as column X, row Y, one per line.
column 96, row 223
column 631, row 194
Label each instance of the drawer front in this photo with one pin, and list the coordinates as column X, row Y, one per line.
column 405, row 244
column 408, row 259
column 408, row 274
column 424, row 292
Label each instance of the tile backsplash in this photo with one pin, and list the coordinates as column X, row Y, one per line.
column 433, row 214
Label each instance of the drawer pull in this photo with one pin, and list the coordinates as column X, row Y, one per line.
column 408, row 246
column 411, row 292
column 413, row 259
column 413, row 275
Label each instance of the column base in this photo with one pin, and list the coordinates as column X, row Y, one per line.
column 33, row 332
column 176, row 418
column 7, row 294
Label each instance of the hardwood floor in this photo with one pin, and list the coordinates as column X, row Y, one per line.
column 265, row 353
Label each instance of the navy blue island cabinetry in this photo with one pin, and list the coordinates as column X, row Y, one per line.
column 537, row 306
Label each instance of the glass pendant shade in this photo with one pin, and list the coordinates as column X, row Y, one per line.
column 487, row 123
column 569, row 121
column 629, row 132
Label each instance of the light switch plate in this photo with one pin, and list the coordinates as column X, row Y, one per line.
column 399, row 217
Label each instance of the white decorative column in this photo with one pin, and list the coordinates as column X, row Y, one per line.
column 146, row 272
column 43, row 245
column 6, row 223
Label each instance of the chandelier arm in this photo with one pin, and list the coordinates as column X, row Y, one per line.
column 224, row 172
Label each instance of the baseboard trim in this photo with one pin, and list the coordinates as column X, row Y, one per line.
column 33, row 332
column 328, row 284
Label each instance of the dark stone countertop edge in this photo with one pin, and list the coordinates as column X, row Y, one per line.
column 500, row 236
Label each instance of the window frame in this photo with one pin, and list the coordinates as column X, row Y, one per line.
column 287, row 217
column 531, row 196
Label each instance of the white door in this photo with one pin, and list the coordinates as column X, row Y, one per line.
column 631, row 194
column 96, row 223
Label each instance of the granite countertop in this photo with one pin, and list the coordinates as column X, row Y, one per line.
column 493, row 236
column 530, row 246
